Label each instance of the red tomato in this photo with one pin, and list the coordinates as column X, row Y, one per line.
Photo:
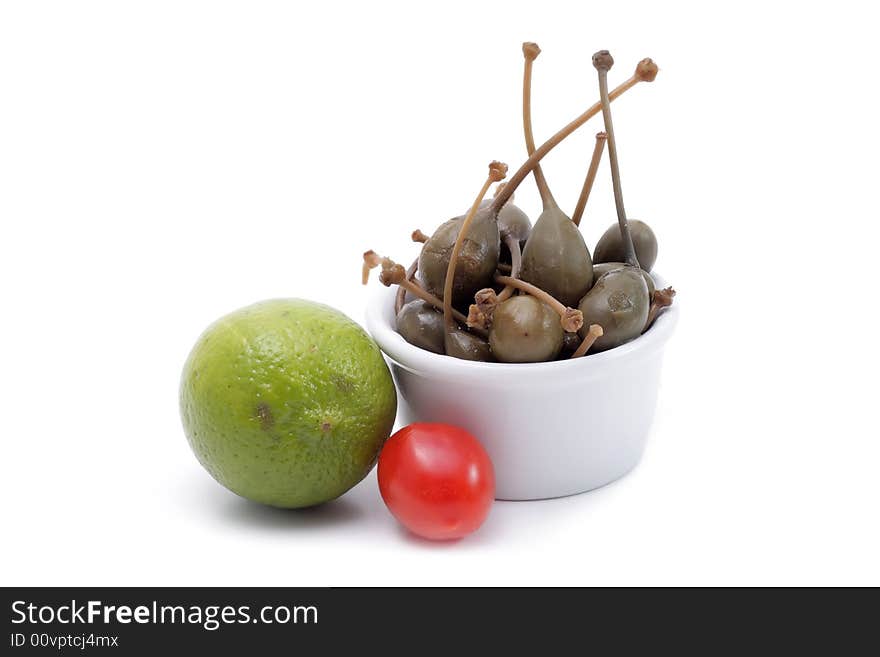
column 437, row 480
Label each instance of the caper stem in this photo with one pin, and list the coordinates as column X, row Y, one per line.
column 424, row 295
column 662, row 299
column 535, row 291
column 497, row 171
column 371, row 260
column 515, row 265
column 394, row 274
column 515, row 255
column 593, row 333
column 530, row 52
column 603, row 62
column 481, row 312
column 590, row 179
column 571, row 319
column 551, row 143
column 400, row 299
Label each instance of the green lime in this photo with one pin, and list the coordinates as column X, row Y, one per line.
column 287, row 402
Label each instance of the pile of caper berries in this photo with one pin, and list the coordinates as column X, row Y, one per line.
column 490, row 286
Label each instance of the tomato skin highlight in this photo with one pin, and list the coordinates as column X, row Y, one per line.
column 437, row 480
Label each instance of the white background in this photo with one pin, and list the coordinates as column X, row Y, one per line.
column 163, row 163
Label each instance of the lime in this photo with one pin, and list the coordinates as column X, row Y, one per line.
column 287, row 402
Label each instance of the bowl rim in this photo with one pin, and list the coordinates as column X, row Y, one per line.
column 417, row 359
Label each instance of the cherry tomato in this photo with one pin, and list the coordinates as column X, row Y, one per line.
column 437, row 480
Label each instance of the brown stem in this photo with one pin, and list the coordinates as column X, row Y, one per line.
column 662, row 299
column 424, row 295
column 572, row 320
column 593, row 333
column 603, row 62
column 371, row 260
column 497, row 171
column 646, row 71
column 515, row 265
column 531, row 52
column 590, row 179
column 400, row 298
column 498, row 189
column 481, row 313
column 394, row 274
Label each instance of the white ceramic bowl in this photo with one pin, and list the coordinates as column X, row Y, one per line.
column 551, row 429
